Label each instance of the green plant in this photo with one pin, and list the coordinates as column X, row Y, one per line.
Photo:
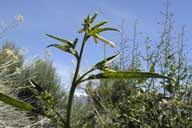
column 90, row 31
column 146, row 104
column 11, row 62
column 42, row 71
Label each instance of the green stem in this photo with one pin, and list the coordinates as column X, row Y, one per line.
column 79, row 80
column 74, row 84
column 60, row 117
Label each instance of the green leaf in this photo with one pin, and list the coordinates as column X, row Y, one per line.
column 121, row 75
column 75, row 42
column 87, row 19
column 64, row 48
column 107, row 29
column 99, row 24
column 17, row 103
column 152, row 68
column 94, row 17
column 100, row 65
column 67, row 42
column 99, row 30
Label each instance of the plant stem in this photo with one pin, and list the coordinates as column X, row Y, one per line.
column 74, row 84
column 79, row 80
column 60, row 117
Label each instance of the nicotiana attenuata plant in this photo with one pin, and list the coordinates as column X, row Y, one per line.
column 90, row 30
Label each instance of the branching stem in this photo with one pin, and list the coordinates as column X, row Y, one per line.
column 74, row 82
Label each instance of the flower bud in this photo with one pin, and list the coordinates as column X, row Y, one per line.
column 19, row 18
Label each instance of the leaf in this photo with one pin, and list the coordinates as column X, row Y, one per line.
column 67, row 42
column 102, row 39
column 99, row 25
column 96, row 40
column 121, row 75
column 94, row 17
column 17, row 103
column 87, row 19
column 152, row 68
column 64, row 48
column 100, row 65
column 75, row 42
column 107, row 29
column 99, row 30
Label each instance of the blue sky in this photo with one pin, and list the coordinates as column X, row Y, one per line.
column 64, row 17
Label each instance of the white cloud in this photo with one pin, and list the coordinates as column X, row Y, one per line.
column 78, row 93
column 65, row 73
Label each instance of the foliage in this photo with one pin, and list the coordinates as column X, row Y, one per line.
column 90, row 31
column 15, row 82
column 149, row 103
column 10, row 65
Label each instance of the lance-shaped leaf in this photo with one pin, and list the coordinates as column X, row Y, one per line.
column 99, row 25
column 75, row 42
column 102, row 39
column 64, row 48
column 67, row 42
column 17, row 103
column 102, row 64
column 152, row 68
column 93, row 17
column 99, row 30
column 121, row 75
